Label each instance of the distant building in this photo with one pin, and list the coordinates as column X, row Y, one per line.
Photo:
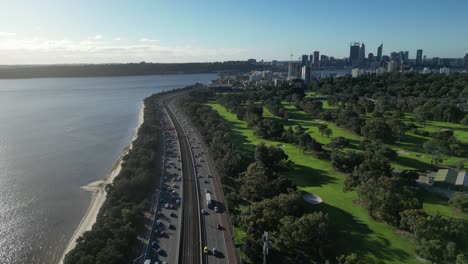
column 267, row 75
column 392, row 66
column 419, row 57
column 252, row 61
column 465, row 60
column 324, row 60
column 426, row 71
column 304, row 60
column 356, row 72
column 354, row 50
column 316, row 62
column 462, row 178
column 370, row 57
column 255, row 76
column 306, row 74
column 379, row 52
column 446, row 176
column 380, row 71
column 406, row 59
column 278, row 81
column 362, row 54
column 294, row 70
column 444, row 70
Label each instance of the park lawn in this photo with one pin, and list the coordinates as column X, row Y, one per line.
column 355, row 230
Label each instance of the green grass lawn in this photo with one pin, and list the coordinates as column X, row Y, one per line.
column 355, row 230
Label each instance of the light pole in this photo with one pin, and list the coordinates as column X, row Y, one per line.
column 265, row 246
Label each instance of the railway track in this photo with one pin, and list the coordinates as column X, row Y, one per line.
column 190, row 241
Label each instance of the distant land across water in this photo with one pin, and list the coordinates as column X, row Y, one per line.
column 128, row 69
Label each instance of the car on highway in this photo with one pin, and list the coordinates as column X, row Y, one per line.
column 215, row 252
column 158, row 222
column 216, row 209
column 220, row 227
column 173, row 215
column 171, row 226
column 207, row 191
column 203, row 211
column 166, row 206
column 205, row 181
column 205, row 250
column 177, row 201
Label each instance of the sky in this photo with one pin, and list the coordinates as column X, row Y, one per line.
column 114, row 31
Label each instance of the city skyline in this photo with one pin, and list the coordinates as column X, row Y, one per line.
column 161, row 31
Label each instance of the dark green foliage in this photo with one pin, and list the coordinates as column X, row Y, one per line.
column 437, row 238
column 346, row 161
column 460, row 201
column 379, row 130
column 307, row 234
column 260, row 182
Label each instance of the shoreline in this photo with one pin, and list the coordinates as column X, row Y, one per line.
column 99, row 193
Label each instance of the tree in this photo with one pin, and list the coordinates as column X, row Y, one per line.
column 328, row 132
column 378, row 130
column 460, row 201
column 322, row 128
column 308, row 234
column 270, row 156
column 260, row 182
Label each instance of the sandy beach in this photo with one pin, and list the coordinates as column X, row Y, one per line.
column 99, row 194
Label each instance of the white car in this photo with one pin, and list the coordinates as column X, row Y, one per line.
column 216, row 209
column 203, row 211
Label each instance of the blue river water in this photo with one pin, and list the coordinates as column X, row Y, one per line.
column 56, row 135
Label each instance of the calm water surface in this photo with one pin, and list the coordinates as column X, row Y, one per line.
column 57, row 135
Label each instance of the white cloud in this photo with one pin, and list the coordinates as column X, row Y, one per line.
column 98, row 37
column 148, row 40
column 96, row 50
column 6, row 34
column 117, row 39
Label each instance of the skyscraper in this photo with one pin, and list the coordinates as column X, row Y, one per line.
column 354, row 53
column 304, row 60
column 406, row 60
column 419, row 56
column 466, row 59
column 379, row 52
column 316, row 62
column 362, row 54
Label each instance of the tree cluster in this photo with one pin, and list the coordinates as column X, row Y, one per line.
column 437, row 238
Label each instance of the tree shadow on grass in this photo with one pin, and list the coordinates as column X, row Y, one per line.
column 412, row 143
column 307, row 176
column 412, row 163
column 351, row 235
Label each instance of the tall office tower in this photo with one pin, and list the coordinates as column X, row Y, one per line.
column 401, row 57
column 304, row 60
column 394, row 56
column 371, row 57
column 419, row 57
column 354, row 53
column 406, row 57
column 379, row 52
column 306, row 74
column 316, row 62
column 311, row 59
column 465, row 59
column 291, row 68
column 362, row 54
column 392, row 66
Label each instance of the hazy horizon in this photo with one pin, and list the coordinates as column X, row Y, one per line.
column 93, row 32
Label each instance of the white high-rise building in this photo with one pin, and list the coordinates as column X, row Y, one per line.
column 426, row 71
column 444, row 70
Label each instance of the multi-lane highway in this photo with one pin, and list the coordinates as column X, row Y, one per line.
column 184, row 229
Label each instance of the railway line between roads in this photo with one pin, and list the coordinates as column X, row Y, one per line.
column 191, row 240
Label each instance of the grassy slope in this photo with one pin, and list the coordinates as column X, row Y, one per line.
column 357, row 232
